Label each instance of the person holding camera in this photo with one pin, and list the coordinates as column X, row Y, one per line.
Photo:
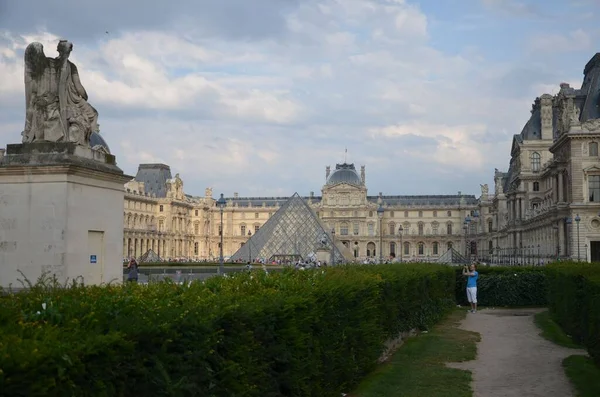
column 472, row 276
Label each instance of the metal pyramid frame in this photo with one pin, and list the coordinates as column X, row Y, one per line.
column 452, row 256
column 292, row 233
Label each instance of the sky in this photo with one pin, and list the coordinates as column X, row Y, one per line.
column 258, row 97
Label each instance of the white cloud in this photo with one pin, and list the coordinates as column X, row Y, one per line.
column 264, row 116
column 577, row 40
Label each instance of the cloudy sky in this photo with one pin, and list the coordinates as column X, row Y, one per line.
column 257, row 97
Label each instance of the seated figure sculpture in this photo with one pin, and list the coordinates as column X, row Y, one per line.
column 56, row 102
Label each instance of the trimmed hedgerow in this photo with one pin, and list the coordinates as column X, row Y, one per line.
column 506, row 286
column 574, row 302
column 294, row 333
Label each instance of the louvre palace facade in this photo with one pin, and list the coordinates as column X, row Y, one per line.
column 545, row 205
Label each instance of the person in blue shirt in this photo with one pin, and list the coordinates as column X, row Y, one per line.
column 472, row 276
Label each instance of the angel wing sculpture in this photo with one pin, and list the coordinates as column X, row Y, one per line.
column 56, row 107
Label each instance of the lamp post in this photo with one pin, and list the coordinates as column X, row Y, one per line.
column 568, row 249
column 467, row 224
column 249, row 247
column 400, row 230
column 332, row 259
column 380, row 215
column 221, row 202
column 476, row 219
column 577, row 219
column 555, row 227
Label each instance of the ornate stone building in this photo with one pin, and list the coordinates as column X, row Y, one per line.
column 159, row 216
column 547, row 204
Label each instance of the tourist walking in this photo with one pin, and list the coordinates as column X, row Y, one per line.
column 472, row 276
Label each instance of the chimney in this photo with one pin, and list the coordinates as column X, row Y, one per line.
column 327, row 172
column 546, row 116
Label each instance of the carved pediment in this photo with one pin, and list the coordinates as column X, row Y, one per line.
column 591, row 169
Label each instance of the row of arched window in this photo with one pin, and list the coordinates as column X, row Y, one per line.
column 420, row 247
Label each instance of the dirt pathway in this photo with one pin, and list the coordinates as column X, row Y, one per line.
column 512, row 359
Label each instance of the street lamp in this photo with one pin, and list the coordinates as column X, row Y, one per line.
column 555, row 227
column 332, row 259
column 249, row 246
column 221, row 202
column 380, row 215
column 400, row 230
column 577, row 219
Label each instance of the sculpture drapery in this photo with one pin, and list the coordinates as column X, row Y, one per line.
column 56, row 102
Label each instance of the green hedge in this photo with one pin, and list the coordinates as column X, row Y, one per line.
column 506, row 286
column 574, row 302
column 294, row 333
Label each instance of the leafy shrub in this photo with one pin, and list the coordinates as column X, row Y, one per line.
column 291, row 333
column 506, row 286
column 574, row 302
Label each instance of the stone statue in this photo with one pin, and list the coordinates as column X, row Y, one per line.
column 56, row 107
column 484, row 190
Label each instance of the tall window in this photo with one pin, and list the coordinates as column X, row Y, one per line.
column 449, row 228
column 421, row 228
column 449, row 245
column 355, row 228
column 196, row 212
column 392, row 227
column 449, row 214
column 435, row 248
column 535, row 161
column 536, row 186
column 196, row 228
column 407, row 248
column 392, row 248
column 195, row 248
column 490, row 247
column 160, row 208
column 371, row 227
column 421, row 249
column 594, row 181
column 593, row 148
column 243, row 230
column 256, row 227
column 344, row 229
column 490, row 226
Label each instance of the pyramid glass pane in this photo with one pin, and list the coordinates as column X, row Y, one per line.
column 293, row 232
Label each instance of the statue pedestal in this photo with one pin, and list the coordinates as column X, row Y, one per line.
column 61, row 213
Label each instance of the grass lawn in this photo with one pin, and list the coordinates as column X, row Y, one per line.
column 418, row 367
column 581, row 371
column 584, row 375
column 553, row 332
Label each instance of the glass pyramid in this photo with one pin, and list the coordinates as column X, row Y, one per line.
column 293, row 233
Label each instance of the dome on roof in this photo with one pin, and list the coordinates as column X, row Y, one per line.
column 344, row 173
column 97, row 140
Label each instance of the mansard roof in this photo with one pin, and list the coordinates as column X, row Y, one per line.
column 427, row 200
column 155, row 177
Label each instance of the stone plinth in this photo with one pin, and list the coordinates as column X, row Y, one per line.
column 61, row 212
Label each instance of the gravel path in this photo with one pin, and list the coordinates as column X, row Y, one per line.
column 512, row 359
